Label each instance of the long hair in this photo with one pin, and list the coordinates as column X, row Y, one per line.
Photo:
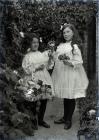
column 76, row 38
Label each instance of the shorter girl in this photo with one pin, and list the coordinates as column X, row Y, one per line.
column 69, row 78
column 35, row 64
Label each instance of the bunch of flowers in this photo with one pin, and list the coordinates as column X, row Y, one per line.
column 32, row 89
column 63, row 57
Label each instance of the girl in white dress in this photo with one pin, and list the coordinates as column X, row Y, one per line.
column 69, row 78
column 36, row 63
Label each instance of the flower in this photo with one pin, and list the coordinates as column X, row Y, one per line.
column 20, row 81
column 61, row 27
column 41, row 39
column 92, row 112
column 51, row 43
column 40, row 8
column 31, row 83
column 22, row 34
column 29, row 92
column 63, row 57
column 15, row 72
column 37, row 86
column 29, row 49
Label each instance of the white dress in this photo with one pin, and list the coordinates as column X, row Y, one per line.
column 69, row 82
column 33, row 60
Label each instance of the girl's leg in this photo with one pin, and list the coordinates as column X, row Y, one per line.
column 64, row 118
column 41, row 114
column 42, row 110
column 71, row 108
column 70, row 111
column 66, row 109
column 35, row 119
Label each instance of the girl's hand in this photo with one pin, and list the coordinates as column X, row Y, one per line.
column 63, row 57
column 50, row 54
column 68, row 63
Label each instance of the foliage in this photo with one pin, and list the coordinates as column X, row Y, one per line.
column 86, row 107
column 16, row 116
column 44, row 19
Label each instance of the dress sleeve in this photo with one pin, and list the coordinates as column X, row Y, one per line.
column 27, row 66
column 77, row 57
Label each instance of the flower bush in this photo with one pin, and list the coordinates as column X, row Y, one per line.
column 16, row 114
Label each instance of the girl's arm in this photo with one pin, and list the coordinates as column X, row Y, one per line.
column 51, row 60
column 77, row 57
column 27, row 66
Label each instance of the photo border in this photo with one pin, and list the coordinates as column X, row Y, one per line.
column 97, row 78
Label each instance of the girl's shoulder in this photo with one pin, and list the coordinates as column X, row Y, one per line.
column 32, row 55
column 45, row 53
column 61, row 44
column 75, row 46
column 76, row 49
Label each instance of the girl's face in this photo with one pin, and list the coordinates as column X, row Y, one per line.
column 35, row 44
column 68, row 34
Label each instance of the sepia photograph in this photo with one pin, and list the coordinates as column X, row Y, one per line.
column 49, row 70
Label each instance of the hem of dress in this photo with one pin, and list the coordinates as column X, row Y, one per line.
column 78, row 95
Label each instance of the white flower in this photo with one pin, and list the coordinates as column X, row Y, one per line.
column 22, row 34
column 37, row 86
column 40, row 8
column 29, row 49
column 15, row 72
column 51, row 43
column 20, row 81
column 40, row 39
column 61, row 27
column 29, row 92
column 31, row 82
column 92, row 112
column 65, row 24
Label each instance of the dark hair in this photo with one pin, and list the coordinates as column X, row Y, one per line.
column 76, row 38
column 30, row 37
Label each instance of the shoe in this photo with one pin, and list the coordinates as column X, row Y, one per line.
column 67, row 125
column 44, row 124
column 60, row 121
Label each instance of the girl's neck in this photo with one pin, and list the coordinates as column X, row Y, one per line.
column 34, row 50
column 69, row 41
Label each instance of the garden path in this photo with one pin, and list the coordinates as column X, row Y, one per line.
column 57, row 132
